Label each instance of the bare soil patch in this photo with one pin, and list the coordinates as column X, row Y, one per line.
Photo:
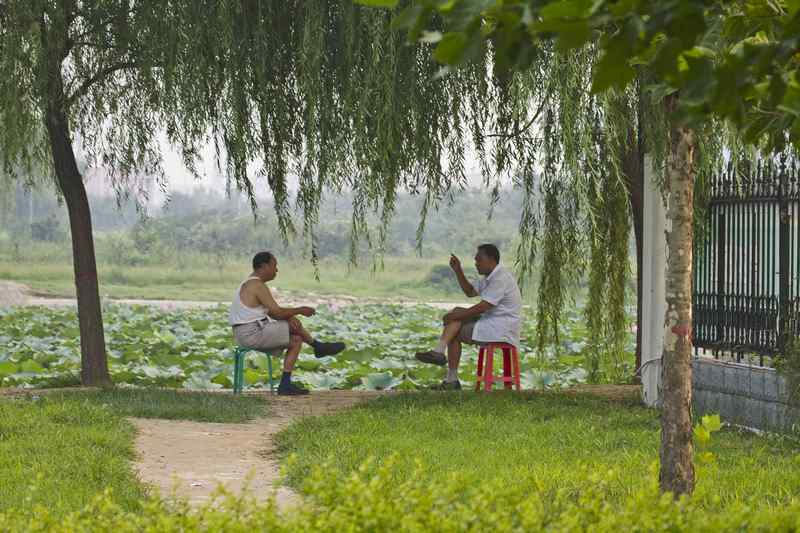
column 12, row 293
column 192, row 459
column 610, row 392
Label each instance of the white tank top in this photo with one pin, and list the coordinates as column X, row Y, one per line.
column 242, row 314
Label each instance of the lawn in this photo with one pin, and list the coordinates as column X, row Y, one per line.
column 407, row 462
column 59, row 450
column 552, row 442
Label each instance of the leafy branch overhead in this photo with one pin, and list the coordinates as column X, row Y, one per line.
column 737, row 61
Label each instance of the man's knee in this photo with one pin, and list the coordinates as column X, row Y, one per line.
column 295, row 341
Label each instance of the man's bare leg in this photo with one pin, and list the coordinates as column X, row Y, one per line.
column 449, row 334
column 292, row 353
column 321, row 349
column 437, row 355
column 296, row 328
column 286, row 386
column 453, row 359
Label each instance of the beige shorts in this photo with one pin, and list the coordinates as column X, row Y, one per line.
column 465, row 333
column 264, row 336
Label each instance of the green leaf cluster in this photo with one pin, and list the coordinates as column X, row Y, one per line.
column 736, row 61
column 372, row 499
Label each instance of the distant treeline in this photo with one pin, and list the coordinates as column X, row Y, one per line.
column 208, row 222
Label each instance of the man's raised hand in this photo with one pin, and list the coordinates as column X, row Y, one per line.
column 455, row 263
column 306, row 311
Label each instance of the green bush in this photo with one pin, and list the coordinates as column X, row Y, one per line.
column 370, row 499
column 443, row 278
column 788, row 364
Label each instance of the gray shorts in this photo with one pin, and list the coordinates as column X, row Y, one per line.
column 465, row 333
column 265, row 336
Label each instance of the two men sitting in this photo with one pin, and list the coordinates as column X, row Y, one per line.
column 258, row 322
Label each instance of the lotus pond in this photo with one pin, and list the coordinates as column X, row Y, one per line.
column 40, row 347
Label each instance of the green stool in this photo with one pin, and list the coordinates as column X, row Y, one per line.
column 238, row 368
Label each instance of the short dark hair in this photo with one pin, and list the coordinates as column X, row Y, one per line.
column 262, row 258
column 490, row 251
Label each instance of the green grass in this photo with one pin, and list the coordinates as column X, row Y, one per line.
column 401, row 277
column 61, row 452
column 172, row 404
column 553, row 438
column 61, row 449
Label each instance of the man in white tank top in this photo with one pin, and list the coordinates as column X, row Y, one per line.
column 259, row 323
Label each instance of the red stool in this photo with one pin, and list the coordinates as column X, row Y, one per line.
column 510, row 366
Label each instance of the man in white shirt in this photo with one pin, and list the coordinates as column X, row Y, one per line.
column 496, row 318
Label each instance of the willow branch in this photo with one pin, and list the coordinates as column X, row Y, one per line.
column 526, row 126
column 99, row 76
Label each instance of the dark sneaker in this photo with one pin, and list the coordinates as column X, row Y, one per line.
column 291, row 390
column 324, row 349
column 447, row 385
column 431, row 357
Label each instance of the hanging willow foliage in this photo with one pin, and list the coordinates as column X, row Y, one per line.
column 327, row 91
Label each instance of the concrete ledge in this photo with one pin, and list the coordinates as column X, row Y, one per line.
column 750, row 396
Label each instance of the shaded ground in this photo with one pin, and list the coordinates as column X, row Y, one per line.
column 193, row 458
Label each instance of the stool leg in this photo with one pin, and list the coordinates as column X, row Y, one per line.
column 237, row 366
column 507, row 368
column 479, row 377
column 269, row 369
column 517, row 371
column 489, row 370
column 242, row 362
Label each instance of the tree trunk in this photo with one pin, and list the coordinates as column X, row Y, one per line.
column 677, row 468
column 633, row 168
column 94, row 363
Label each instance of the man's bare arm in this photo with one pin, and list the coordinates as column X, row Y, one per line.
column 465, row 314
column 276, row 311
column 466, row 286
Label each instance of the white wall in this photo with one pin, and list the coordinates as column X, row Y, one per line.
column 654, row 255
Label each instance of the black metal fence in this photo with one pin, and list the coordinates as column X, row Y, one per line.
column 746, row 294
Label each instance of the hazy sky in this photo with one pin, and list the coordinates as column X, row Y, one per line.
column 180, row 179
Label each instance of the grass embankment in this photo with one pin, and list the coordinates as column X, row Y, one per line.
column 199, row 280
column 554, row 439
column 60, row 450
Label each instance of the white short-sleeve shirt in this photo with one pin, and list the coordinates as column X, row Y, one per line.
column 503, row 321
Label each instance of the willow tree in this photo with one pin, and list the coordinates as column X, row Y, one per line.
column 322, row 90
column 325, row 91
column 7, row 199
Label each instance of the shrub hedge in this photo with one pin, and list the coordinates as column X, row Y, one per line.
column 370, row 500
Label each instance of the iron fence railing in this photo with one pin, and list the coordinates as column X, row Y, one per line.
column 746, row 290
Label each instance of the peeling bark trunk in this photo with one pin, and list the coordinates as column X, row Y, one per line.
column 677, row 469
column 94, row 363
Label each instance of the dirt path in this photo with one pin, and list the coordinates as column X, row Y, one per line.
column 193, row 458
column 13, row 293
